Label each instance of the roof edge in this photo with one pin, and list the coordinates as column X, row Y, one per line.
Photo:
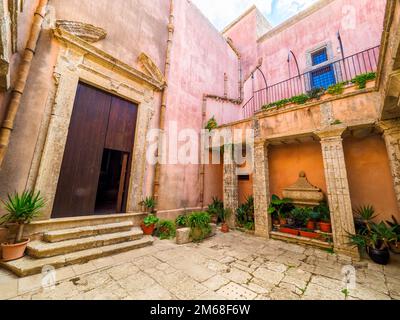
column 238, row 19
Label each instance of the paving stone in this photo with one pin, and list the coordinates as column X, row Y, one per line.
column 153, row 292
column 364, row 293
column 233, row 291
column 122, row 271
column 283, row 294
column 188, row 289
column 268, row 276
column 238, row 276
column 316, row 292
column 332, row 284
column 8, row 287
column 216, row 282
column 274, row 266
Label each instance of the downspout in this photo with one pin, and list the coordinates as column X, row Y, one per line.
column 22, row 76
column 164, row 96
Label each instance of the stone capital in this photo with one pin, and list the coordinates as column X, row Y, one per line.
column 389, row 126
column 331, row 132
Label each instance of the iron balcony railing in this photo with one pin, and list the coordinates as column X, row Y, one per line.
column 343, row 70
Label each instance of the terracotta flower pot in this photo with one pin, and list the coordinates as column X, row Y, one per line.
column 148, row 230
column 293, row 232
column 308, row 234
column 310, row 225
column 225, row 228
column 325, row 227
column 282, row 221
column 13, row 251
column 395, row 248
column 3, row 235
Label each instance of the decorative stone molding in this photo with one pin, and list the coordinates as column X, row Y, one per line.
column 80, row 61
column 261, row 190
column 73, row 42
column 151, row 68
column 231, row 195
column 391, row 134
column 84, row 31
column 338, row 189
column 303, row 193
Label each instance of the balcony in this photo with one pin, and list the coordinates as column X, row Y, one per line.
column 329, row 74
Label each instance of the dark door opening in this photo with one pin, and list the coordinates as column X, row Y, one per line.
column 111, row 189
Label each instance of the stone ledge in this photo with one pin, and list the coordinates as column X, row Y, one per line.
column 300, row 240
column 183, row 235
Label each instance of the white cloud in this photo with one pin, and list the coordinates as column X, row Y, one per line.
column 223, row 12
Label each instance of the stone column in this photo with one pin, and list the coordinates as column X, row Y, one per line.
column 261, row 190
column 231, row 196
column 338, row 189
column 391, row 134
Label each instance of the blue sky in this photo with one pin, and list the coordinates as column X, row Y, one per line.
column 223, row 12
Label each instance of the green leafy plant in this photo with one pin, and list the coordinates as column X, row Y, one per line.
column 166, row 229
column 199, row 224
column 149, row 204
column 249, row 226
column 336, row 122
column 346, row 293
column 336, row 89
column 216, row 208
column 300, row 99
column 300, row 216
column 211, row 124
column 150, row 220
column 362, row 79
column 396, row 229
column 316, row 93
column 182, row 221
column 278, row 104
column 323, row 210
column 245, row 212
column 22, row 209
column 280, row 207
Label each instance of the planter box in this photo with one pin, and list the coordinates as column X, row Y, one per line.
column 183, row 235
column 310, row 235
column 293, row 232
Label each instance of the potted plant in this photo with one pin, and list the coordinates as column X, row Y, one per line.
column 226, row 214
column 214, row 209
column 181, row 221
column 149, row 224
column 279, row 208
column 199, row 224
column 21, row 210
column 148, row 204
column 300, row 217
column 166, row 230
column 313, row 217
column 325, row 217
column 245, row 213
column 395, row 244
column 308, row 233
column 375, row 238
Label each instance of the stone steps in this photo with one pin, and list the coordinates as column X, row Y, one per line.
column 29, row 266
column 87, row 231
column 41, row 249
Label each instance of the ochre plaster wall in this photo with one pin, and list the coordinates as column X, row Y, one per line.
column 286, row 162
column 369, row 175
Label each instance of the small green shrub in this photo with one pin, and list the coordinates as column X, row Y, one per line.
column 166, row 229
column 199, row 223
column 148, row 203
column 279, row 208
column 362, row 79
column 182, row 221
column 278, row 104
column 212, row 124
column 245, row 212
column 216, row 208
column 150, row 220
column 336, row 89
column 300, row 99
column 315, row 93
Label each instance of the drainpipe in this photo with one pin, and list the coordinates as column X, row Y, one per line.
column 22, row 76
column 164, row 96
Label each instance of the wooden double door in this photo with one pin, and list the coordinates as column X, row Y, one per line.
column 97, row 158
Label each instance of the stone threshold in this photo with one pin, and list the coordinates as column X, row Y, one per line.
column 300, row 240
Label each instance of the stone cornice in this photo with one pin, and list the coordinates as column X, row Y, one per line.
column 151, row 68
column 71, row 41
column 85, row 31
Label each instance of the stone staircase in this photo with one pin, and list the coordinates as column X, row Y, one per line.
column 79, row 244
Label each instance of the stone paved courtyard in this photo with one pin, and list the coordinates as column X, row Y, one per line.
column 227, row 266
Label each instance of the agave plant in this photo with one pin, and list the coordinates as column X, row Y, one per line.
column 149, row 204
column 22, row 209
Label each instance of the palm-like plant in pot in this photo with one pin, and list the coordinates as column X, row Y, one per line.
column 325, row 217
column 395, row 245
column 375, row 238
column 148, row 204
column 280, row 208
column 21, row 210
column 226, row 213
